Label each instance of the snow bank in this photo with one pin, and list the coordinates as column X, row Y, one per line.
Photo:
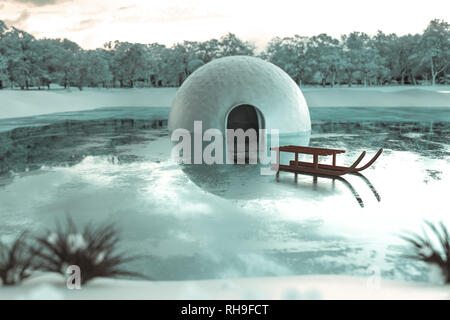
column 52, row 286
column 19, row 103
column 378, row 96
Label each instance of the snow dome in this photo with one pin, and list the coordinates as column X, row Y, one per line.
column 240, row 91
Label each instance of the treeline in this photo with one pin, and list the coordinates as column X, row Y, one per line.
column 355, row 58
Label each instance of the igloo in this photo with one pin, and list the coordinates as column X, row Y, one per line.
column 242, row 92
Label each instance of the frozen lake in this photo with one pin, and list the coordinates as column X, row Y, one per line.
column 114, row 164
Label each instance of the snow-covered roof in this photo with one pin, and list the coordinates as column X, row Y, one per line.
column 214, row 89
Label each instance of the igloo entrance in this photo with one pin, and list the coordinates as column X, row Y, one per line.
column 243, row 117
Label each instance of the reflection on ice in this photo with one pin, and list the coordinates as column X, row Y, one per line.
column 246, row 182
column 369, row 184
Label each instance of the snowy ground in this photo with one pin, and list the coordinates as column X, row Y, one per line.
column 257, row 237
column 17, row 103
column 52, row 286
column 438, row 96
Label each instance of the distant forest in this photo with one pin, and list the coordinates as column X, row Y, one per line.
column 354, row 59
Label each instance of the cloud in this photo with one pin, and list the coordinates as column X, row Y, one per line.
column 127, row 7
column 85, row 24
column 186, row 12
column 40, row 3
column 20, row 20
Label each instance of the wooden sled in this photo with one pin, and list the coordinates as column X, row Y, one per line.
column 332, row 171
column 317, row 168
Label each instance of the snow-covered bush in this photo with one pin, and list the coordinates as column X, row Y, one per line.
column 16, row 261
column 436, row 254
column 93, row 250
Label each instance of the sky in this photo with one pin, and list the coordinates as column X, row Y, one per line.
column 92, row 23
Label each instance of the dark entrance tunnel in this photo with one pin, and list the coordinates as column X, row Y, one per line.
column 243, row 117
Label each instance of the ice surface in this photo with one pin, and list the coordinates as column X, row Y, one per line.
column 231, row 225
